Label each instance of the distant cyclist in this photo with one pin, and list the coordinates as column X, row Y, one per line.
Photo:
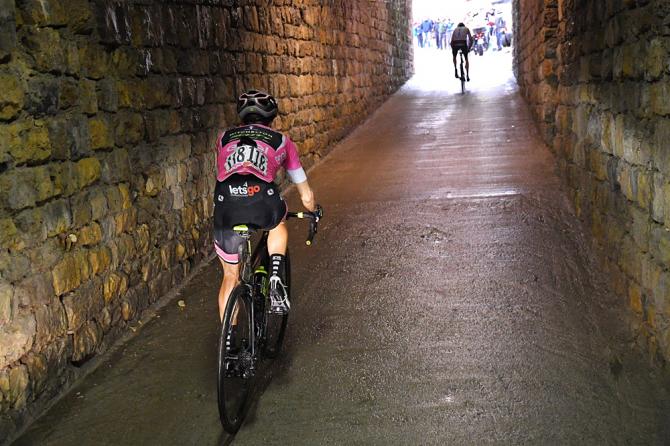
column 461, row 39
column 248, row 159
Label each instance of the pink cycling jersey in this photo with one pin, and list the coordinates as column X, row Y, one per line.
column 258, row 150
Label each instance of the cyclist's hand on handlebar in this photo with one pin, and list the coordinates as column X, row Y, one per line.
column 318, row 212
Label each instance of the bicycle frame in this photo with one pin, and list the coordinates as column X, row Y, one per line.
column 251, row 264
column 264, row 338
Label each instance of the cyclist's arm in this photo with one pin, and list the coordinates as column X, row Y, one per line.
column 306, row 196
column 471, row 41
column 297, row 176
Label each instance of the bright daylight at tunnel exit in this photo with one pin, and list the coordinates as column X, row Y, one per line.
column 338, row 222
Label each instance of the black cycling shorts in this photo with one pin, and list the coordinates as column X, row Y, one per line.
column 244, row 200
column 459, row 46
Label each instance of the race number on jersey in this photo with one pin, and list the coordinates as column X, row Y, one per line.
column 247, row 156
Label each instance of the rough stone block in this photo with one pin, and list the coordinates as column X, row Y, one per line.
column 657, row 57
column 617, row 135
column 659, row 197
column 8, row 232
column 88, row 97
column 17, row 338
column 22, row 188
column 113, row 23
column 125, row 221
column 36, row 144
column 100, row 260
column 46, row 47
column 37, row 367
column 65, row 179
column 43, row 12
column 629, row 63
column 640, row 228
column 659, row 94
column 12, row 95
column 30, row 224
column 89, row 235
column 51, row 323
column 116, row 166
column 43, row 94
column 640, row 187
column 69, row 93
column 126, row 199
column 7, row 29
column 57, row 217
column 6, row 303
column 18, row 386
column 83, row 304
column 34, row 290
column 86, row 341
column 99, row 206
column 108, row 95
column 69, row 136
column 660, row 244
column 69, row 273
column 660, row 151
column 95, row 62
column 101, row 133
column 635, row 298
column 114, row 285
column 88, row 171
column 114, row 199
column 154, row 184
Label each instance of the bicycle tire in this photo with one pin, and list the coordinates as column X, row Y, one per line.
column 233, row 385
column 275, row 324
column 462, row 77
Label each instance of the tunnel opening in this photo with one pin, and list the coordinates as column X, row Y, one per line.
column 490, row 23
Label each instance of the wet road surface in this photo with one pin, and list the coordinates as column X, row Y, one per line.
column 450, row 299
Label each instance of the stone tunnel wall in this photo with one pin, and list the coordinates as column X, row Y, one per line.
column 108, row 115
column 597, row 76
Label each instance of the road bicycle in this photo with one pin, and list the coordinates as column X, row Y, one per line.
column 250, row 332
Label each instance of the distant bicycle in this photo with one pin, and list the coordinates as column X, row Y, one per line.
column 250, row 331
column 461, row 75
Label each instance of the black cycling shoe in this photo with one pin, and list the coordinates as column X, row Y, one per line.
column 456, row 74
column 468, row 78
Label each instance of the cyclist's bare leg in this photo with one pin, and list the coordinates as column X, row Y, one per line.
column 455, row 69
column 231, row 275
column 467, row 66
column 278, row 239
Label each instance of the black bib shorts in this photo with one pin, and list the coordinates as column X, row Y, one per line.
column 244, row 200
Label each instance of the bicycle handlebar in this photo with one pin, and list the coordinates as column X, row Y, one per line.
column 313, row 217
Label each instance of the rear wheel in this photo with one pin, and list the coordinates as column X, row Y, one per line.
column 235, row 360
column 275, row 324
column 462, row 79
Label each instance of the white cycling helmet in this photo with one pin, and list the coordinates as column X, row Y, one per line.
column 255, row 102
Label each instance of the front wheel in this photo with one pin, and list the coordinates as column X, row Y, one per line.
column 236, row 362
column 275, row 324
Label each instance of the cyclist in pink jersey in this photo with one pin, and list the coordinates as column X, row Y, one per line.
column 248, row 159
